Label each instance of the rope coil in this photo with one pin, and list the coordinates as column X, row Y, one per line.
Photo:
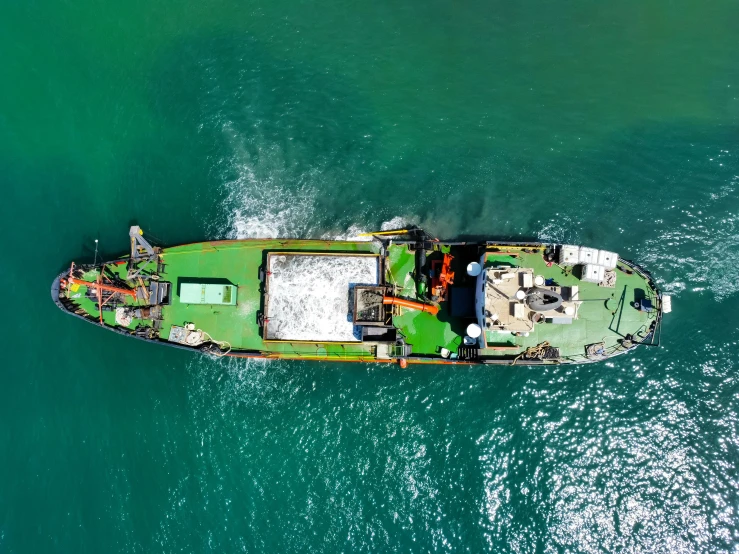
column 537, row 352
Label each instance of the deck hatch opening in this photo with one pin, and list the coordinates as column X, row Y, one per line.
column 369, row 308
column 309, row 296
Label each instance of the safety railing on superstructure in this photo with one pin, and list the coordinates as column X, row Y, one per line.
column 321, row 352
column 655, row 330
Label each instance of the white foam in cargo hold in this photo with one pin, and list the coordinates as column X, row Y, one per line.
column 588, row 255
column 607, row 259
column 309, row 295
column 569, row 254
column 592, row 273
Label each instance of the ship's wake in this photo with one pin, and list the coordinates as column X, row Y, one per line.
column 269, row 194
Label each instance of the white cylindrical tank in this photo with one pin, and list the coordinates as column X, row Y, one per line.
column 474, row 269
column 474, row 330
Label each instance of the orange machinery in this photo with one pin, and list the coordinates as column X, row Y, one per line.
column 430, row 308
column 443, row 277
column 99, row 286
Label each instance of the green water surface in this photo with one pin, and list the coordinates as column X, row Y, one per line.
column 613, row 125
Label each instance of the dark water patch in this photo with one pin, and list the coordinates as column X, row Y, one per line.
column 77, row 437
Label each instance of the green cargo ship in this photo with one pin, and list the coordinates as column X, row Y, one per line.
column 399, row 296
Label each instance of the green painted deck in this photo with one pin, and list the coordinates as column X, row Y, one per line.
column 598, row 321
column 425, row 332
column 608, row 319
column 239, row 263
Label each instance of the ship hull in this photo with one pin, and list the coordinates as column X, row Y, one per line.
column 292, row 299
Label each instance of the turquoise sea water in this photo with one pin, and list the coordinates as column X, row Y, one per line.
column 612, row 125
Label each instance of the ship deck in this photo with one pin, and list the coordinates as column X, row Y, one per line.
column 605, row 315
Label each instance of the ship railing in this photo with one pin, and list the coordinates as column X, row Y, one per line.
column 323, row 353
column 653, row 336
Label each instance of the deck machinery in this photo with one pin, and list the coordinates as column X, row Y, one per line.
column 395, row 296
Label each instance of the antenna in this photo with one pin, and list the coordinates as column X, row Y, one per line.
column 96, row 252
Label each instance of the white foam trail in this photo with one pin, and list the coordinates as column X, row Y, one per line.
column 354, row 231
column 268, row 197
column 561, row 229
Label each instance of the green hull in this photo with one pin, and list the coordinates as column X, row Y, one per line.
column 606, row 322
